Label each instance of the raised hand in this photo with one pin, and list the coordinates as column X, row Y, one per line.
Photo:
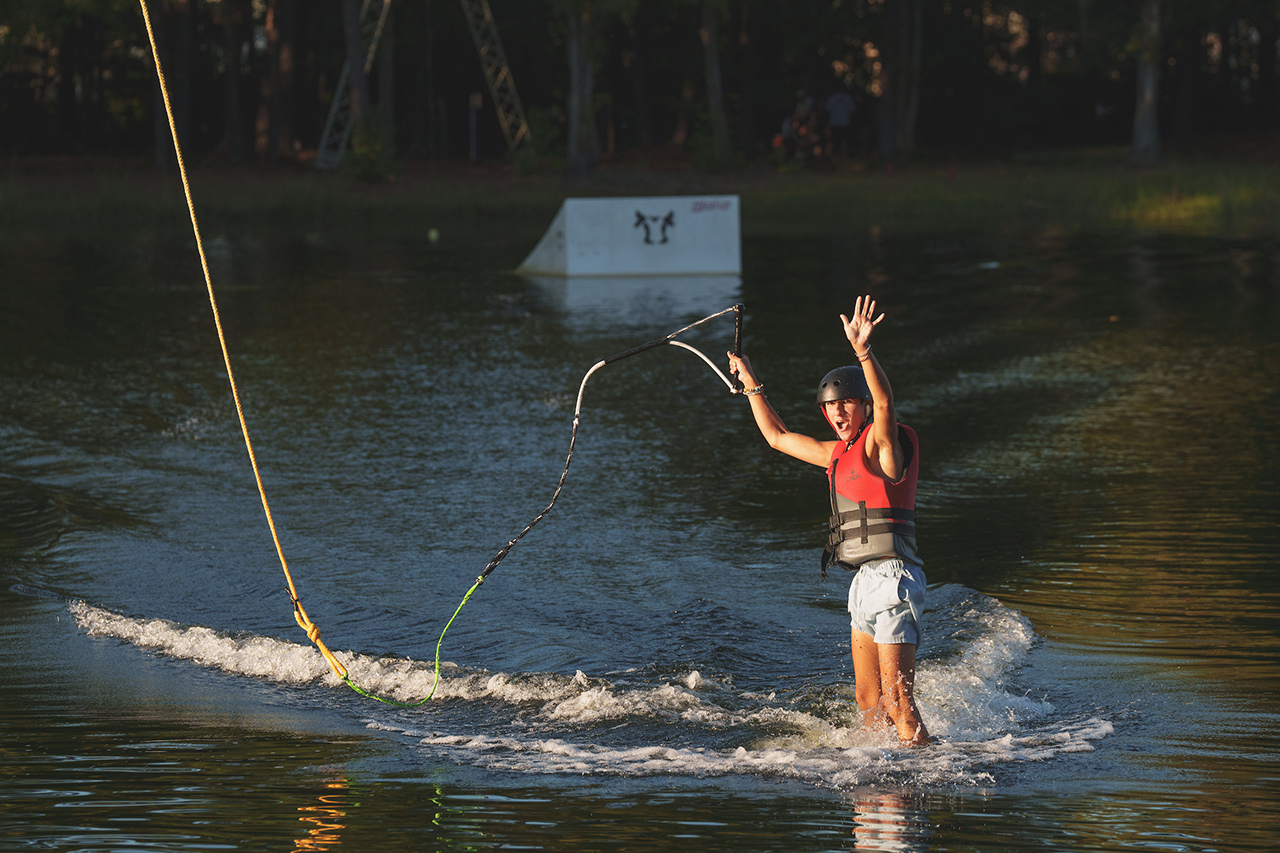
column 858, row 328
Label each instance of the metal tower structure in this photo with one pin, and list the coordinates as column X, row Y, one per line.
column 337, row 128
column 493, row 61
column 484, row 32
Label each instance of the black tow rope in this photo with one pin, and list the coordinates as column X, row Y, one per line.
column 735, row 387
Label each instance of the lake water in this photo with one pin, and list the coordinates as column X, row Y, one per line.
column 657, row 665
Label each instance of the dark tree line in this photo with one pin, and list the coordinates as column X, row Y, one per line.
column 716, row 81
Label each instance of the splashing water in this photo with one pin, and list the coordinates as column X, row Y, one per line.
column 691, row 725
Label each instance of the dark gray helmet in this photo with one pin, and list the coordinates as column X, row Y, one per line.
column 843, row 383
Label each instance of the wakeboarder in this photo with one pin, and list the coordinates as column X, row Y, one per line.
column 872, row 469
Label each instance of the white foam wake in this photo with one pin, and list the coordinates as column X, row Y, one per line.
column 968, row 697
column 831, row 762
column 257, row 656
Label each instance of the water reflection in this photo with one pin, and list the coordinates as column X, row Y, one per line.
column 601, row 301
column 325, row 817
column 890, row 821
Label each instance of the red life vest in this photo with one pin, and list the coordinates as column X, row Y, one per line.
column 871, row 517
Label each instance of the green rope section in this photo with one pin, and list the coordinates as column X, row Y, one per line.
column 357, row 688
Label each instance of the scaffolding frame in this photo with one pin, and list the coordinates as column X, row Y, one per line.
column 337, row 127
column 493, row 62
column 497, row 73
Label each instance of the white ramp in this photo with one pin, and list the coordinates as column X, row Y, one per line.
column 661, row 235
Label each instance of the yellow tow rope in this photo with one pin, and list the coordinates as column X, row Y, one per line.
column 313, row 633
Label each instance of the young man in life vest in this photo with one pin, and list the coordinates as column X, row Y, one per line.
column 871, row 468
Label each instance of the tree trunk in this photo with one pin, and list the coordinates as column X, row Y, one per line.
column 887, row 117
column 424, row 95
column 1268, row 90
column 264, row 141
column 232, row 130
column 69, row 105
column 1185, row 83
column 911, row 36
column 886, row 121
column 180, row 83
column 387, row 84
column 357, row 81
column 1085, row 42
column 161, row 137
column 1034, row 50
column 900, row 59
column 747, row 85
column 710, row 34
column 640, row 79
column 584, row 146
column 680, row 135
column 283, row 92
column 1146, row 126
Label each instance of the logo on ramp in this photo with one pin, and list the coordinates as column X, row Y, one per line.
column 645, row 221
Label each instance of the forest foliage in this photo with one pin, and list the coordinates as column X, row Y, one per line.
column 715, row 83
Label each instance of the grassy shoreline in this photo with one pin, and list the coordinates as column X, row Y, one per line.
column 1203, row 198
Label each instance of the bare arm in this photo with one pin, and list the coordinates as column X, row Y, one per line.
column 883, row 449
column 802, row 447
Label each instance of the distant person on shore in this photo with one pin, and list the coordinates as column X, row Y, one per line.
column 872, row 469
column 804, row 126
column 784, row 143
column 840, row 108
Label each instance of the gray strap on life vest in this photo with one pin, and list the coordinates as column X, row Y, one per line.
column 840, row 527
column 901, row 521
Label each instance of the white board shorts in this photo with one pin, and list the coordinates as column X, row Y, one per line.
column 886, row 600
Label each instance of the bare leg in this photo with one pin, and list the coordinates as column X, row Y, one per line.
column 867, row 678
column 897, row 666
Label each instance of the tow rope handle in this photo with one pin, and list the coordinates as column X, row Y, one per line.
column 737, row 387
column 734, row 384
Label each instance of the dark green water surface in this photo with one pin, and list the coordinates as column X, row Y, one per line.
column 657, row 665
